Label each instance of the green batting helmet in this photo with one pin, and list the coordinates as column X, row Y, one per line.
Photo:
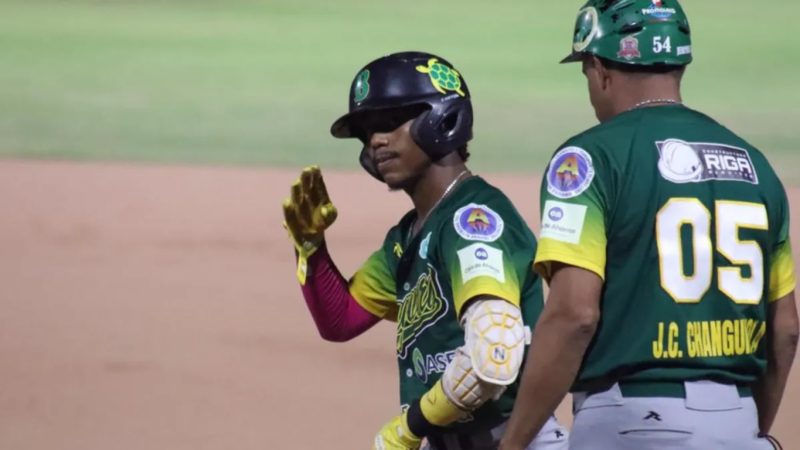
column 635, row 32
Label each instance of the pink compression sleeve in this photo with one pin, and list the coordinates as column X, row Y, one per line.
column 336, row 313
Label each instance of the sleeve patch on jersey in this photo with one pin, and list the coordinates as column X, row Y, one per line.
column 478, row 223
column 695, row 162
column 570, row 172
column 563, row 221
column 481, row 260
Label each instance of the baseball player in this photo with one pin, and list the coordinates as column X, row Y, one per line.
column 455, row 273
column 665, row 241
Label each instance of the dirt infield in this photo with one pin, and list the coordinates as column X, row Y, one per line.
column 155, row 308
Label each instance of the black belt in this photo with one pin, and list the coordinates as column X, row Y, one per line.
column 481, row 440
column 468, row 439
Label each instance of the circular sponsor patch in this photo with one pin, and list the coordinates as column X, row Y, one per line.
column 570, row 172
column 481, row 254
column 555, row 214
column 478, row 223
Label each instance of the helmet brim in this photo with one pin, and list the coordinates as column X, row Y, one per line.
column 343, row 126
column 572, row 57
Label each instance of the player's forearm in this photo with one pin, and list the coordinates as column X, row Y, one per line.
column 437, row 409
column 782, row 337
column 769, row 389
column 559, row 343
column 768, row 393
column 336, row 313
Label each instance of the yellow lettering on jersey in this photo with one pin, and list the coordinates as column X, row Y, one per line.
column 708, row 338
column 739, row 331
column 727, row 338
column 691, row 340
column 666, row 345
column 658, row 344
column 674, row 349
column 716, row 337
column 713, row 338
column 761, row 331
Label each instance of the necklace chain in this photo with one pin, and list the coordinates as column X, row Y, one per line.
column 655, row 101
column 421, row 220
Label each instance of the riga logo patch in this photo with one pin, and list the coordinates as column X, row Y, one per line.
column 694, row 162
column 570, row 172
column 478, row 223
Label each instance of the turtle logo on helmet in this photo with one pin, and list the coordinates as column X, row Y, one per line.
column 442, row 77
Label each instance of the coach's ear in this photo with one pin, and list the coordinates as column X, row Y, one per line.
column 307, row 213
column 601, row 73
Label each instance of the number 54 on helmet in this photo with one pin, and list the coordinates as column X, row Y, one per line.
column 633, row 32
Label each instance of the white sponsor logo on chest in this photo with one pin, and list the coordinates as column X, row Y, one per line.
column 695, row 162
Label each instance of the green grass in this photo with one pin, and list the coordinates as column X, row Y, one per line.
column 242, row 82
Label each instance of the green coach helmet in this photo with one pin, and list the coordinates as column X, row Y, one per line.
column 635, row 32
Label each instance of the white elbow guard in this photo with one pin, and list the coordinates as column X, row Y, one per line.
column 491, row 357
column 495, row 340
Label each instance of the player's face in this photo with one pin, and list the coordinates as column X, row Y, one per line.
column 599, row 95
column 399, row 160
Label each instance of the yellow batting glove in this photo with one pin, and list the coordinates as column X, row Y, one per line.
column 438, row 409
column 307, row 213
column 395, row 435
column 433, row 411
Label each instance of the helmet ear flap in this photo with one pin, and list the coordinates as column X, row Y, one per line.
column 368, row 164
column 443, row 128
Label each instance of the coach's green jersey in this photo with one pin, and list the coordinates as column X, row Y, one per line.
column 688, row 226
column 474, row 243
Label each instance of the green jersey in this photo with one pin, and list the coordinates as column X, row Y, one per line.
column 474, row 243
column 688, row 226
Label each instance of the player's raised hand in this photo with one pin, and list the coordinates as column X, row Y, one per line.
column 307, row 213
